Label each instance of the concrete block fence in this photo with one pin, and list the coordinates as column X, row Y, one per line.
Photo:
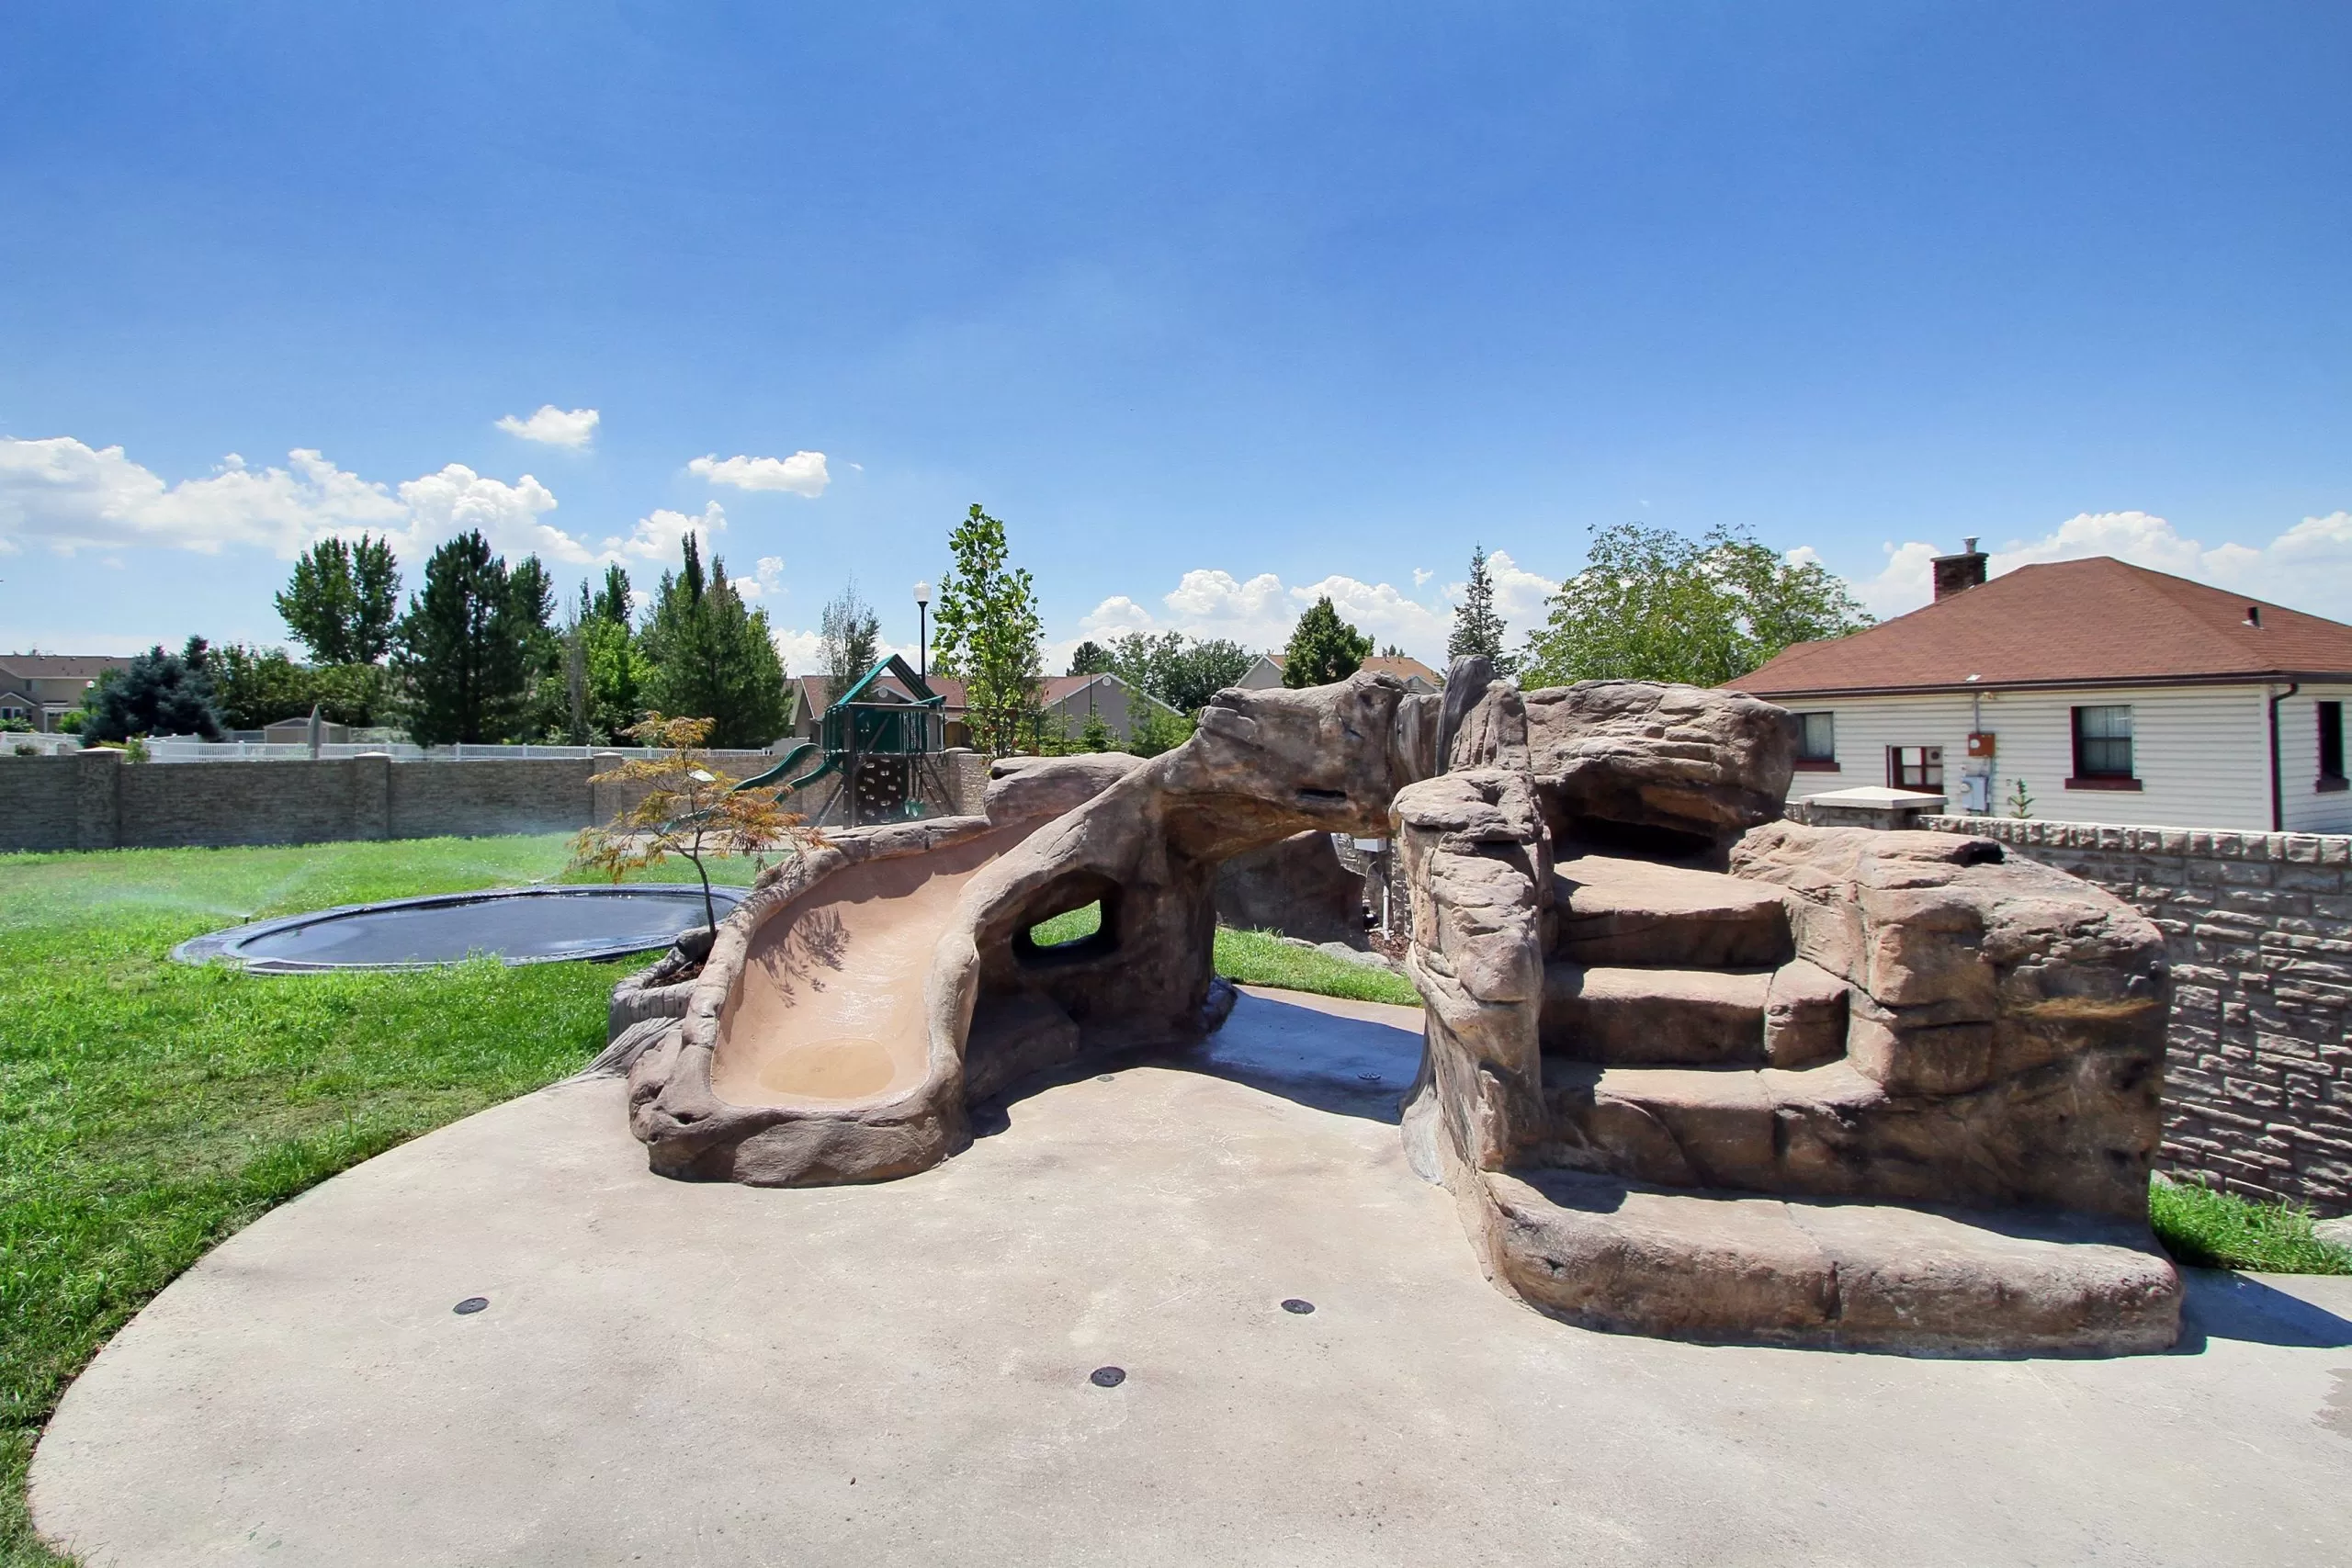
column 2259, row 1080
column 93, row 800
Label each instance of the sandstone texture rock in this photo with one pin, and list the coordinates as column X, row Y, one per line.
column 1021, row 788
column 1297, row 887
column 920, row 934
column 1688, row 1068
column 1693, row 1070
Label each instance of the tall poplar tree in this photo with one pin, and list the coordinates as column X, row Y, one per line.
column 987, row 634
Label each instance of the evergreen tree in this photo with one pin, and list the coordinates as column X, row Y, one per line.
column 849, row 638
column 1653, row 605
column 546, row 712
column 987, row 631
column 1090, row 659
column 160, row 693
column 613, row 600
column 1095, row 734
column 1477, row 628
column 710, row 656
column 1323, row 648
column 461, row 648
column 342, row 599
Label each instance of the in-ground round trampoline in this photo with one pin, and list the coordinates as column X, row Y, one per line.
column 518, row 925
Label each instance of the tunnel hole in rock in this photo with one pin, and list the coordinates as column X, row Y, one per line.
column 1075, row 921
column 1630, row 838
column 1063, row 929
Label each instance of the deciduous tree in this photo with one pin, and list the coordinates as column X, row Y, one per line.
column 1183, row 671
column 988, row 628
column 691, row 808
column 849, row 635
column 342, row 601
column 1653, row 605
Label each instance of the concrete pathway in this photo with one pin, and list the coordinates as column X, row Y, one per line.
column 898, row 1374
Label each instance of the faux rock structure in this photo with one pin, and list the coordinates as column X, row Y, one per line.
column 1688, row 1069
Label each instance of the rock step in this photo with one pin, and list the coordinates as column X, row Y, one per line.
column 1730, row 1268
column 1683, row 1017
column 1611, row 909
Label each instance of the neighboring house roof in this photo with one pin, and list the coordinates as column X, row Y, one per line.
column 2077, row 623
column 1404, row 667
column 810, row 691
column 1058, row 691
column 60, row 666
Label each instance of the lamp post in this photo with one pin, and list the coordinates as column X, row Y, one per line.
column 922, row 629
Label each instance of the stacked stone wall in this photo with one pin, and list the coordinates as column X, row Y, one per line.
column 2258, row 929
column 93, row 800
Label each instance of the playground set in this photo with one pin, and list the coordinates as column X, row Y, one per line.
column 884, row 750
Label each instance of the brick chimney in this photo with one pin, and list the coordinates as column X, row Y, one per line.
column 1963, row 571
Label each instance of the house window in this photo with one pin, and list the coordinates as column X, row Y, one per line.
column 2331, row 745
column 2102, row 744
column 1915, row 767
column 1818, row 741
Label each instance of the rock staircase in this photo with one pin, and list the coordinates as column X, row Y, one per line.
column 1710, row 1165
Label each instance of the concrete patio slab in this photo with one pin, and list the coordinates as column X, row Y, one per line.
column 899, row 1373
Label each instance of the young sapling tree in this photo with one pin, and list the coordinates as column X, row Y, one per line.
column 690, row 809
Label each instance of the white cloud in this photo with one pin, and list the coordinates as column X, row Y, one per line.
column 2308, row 567
column 1422, row 575
column 1260, row 612
column 456, row 499
column 552, row 427
column 803, row 652
column 69, row 496
column 803, row 473
column 766, row 580
column 659, row 536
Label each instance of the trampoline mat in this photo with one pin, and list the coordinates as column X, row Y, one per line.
column 529, row 925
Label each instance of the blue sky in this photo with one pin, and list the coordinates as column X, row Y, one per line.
column 1217, row 307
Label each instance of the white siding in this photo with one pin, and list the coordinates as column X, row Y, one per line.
column 2310, row 809
column 2201, row 753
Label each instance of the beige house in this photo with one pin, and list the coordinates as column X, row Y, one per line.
column 2113, row 694
column 42, row 688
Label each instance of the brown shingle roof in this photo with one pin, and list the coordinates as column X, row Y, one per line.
column 1403, row 666
column 2067, row 623
column 60, row 666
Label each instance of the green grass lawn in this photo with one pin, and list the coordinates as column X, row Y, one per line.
column 1261, row 958
column 2219, row 1230
column 149, row 1110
